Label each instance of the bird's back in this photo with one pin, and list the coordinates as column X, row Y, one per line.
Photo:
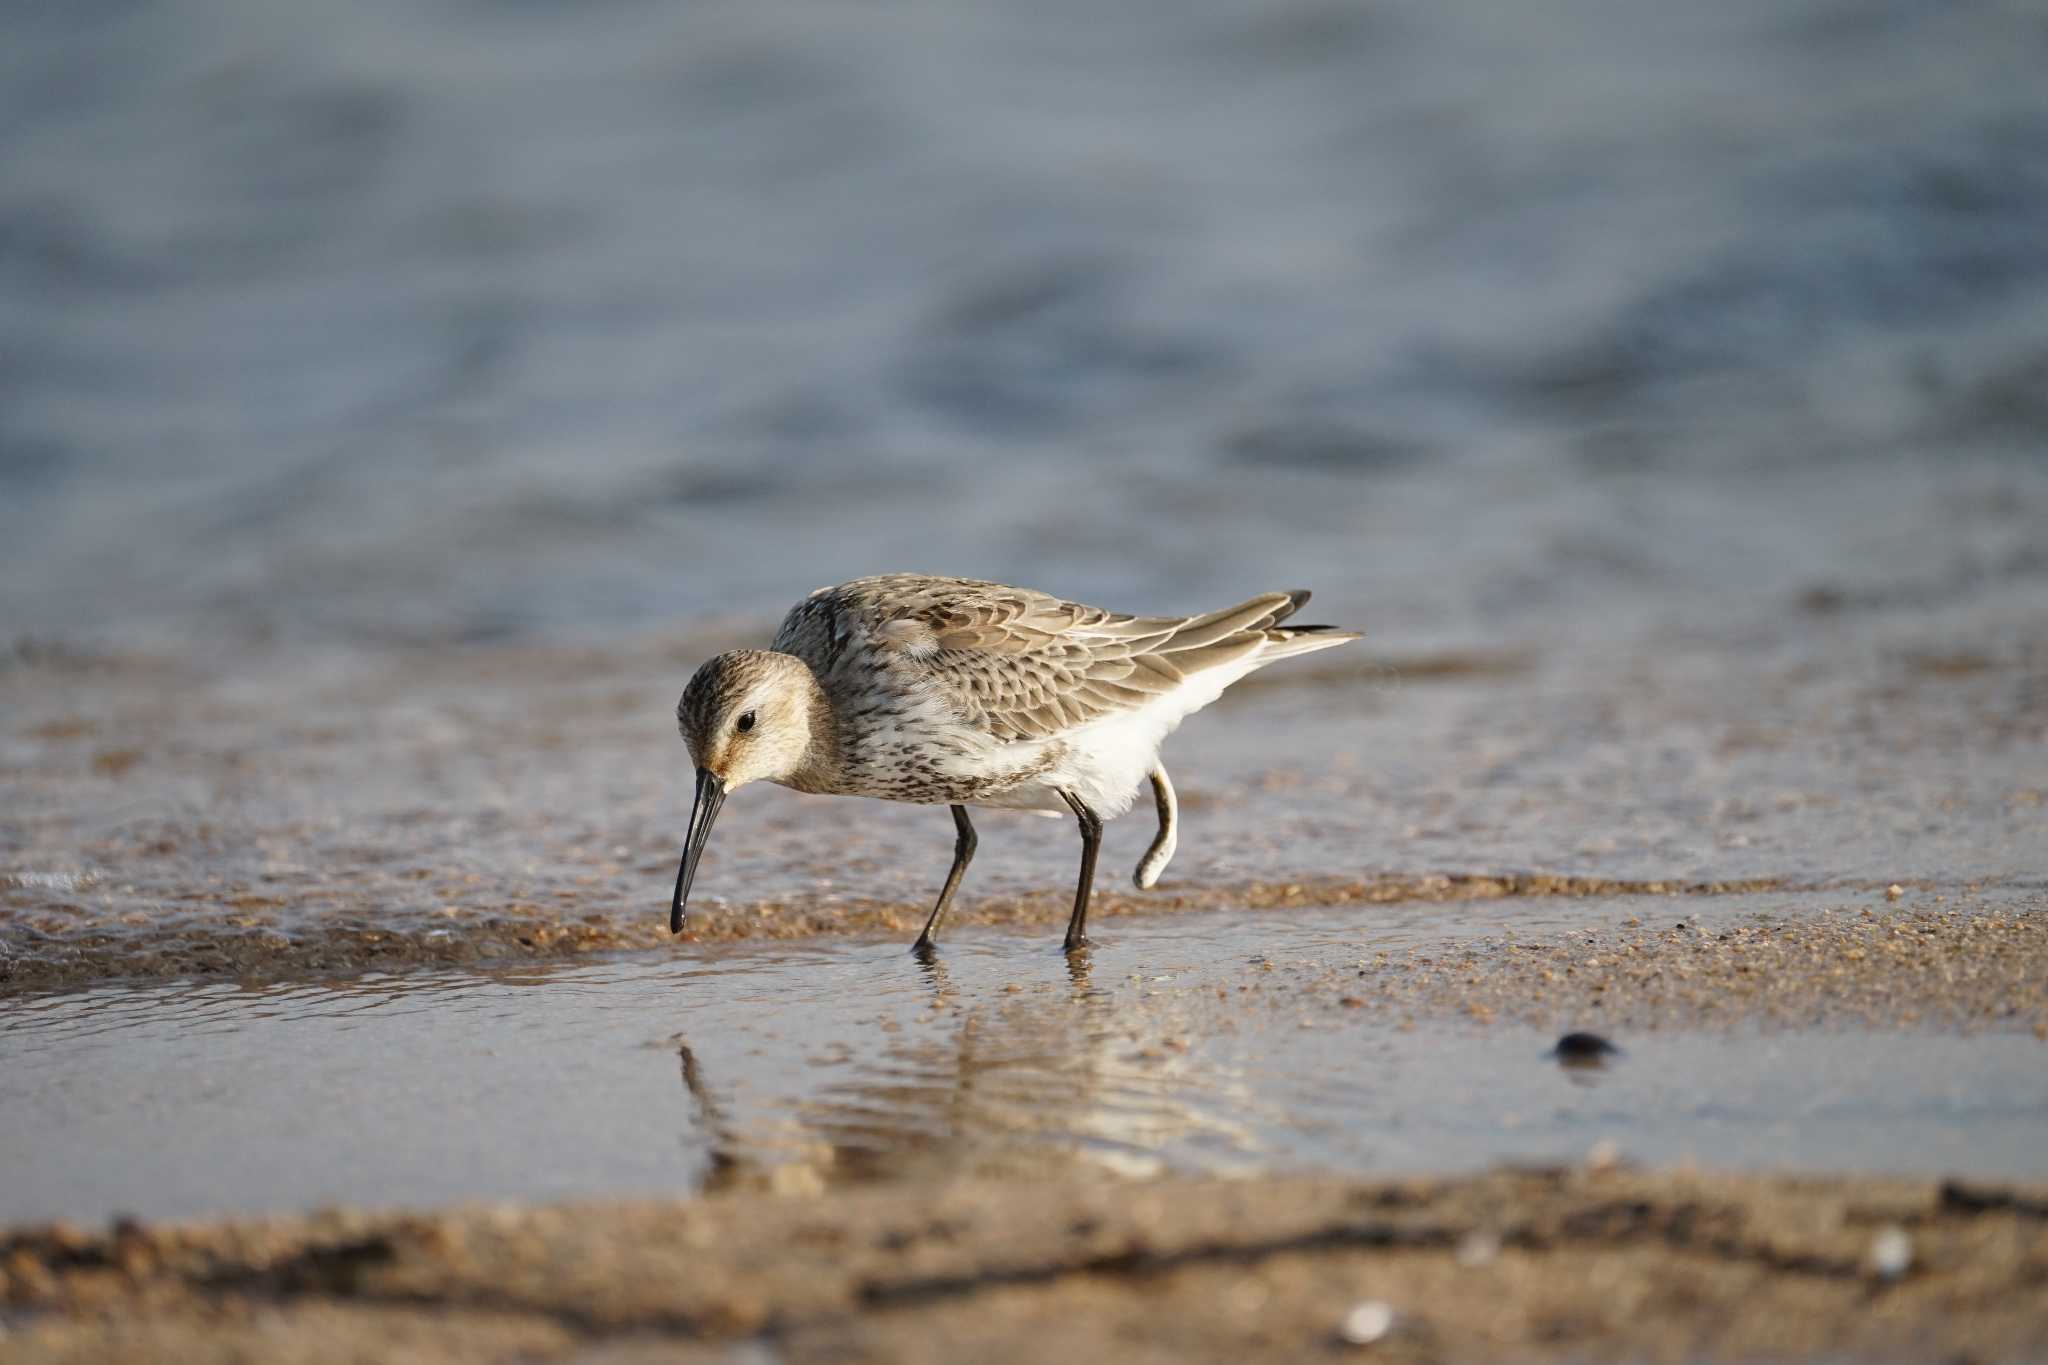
column 978, row 684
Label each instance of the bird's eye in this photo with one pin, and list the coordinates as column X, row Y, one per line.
column 746, row 722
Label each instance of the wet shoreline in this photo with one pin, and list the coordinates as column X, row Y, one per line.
column 48, row 955
column 277, row 813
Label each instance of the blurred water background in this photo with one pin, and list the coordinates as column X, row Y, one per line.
column 1575, row 320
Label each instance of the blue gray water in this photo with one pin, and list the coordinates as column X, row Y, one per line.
column 1567, row 320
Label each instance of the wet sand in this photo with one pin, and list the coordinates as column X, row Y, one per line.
column 1598, row 1263
column 1963, row 962
column 236, row 947
column 280, row 813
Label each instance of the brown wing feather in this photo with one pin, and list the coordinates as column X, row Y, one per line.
column 1022, row 664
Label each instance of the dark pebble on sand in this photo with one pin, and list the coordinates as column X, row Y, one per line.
column 1582, row 1048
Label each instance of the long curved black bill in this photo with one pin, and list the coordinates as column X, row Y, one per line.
column 710, row 796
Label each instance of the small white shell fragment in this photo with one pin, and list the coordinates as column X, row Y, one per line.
column 1891, row 1252
column 1366, row 1323
column 1894, row 891
column 1604, row 1155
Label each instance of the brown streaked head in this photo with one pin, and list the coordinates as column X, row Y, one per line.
column 746, row 716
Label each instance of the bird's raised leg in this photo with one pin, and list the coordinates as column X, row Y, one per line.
column 963, row 854
column 1091, row 844
column 1163, row 843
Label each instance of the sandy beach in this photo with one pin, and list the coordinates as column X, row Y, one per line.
column 1587, row 1264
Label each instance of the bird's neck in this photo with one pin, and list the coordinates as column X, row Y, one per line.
column 821, row 766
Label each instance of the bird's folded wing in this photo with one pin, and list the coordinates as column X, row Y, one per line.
column 1023, row 665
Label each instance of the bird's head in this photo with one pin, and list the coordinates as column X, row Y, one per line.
column 746, row 716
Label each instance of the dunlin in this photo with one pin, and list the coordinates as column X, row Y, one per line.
column 957, row 692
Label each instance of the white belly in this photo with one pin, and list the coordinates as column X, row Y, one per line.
column 1105, row 762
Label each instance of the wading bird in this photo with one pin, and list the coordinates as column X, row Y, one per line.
column 950, row 691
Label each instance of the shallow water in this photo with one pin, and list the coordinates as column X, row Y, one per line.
column 840, row 1060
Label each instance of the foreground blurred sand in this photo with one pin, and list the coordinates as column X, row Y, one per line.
column 1599, row 1263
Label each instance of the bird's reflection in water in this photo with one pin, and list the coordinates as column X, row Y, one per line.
column 725, row 1162
column 934, row 969
column 1079, row 965
column 1005, row 1079
column 1584, row 1074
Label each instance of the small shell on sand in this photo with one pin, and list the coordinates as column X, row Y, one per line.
column 1366, row 1323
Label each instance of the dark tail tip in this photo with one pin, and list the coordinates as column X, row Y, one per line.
column 1296, row 599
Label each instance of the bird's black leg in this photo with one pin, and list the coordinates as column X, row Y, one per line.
column 963, row 854
column 1091, row 844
